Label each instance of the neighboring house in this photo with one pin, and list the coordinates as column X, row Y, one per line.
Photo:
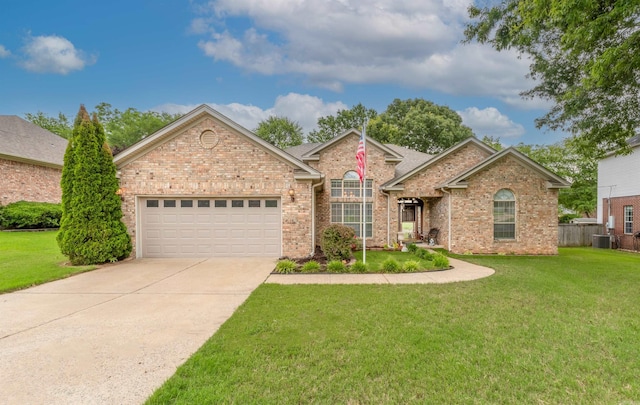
column 205, row 186
column 31, row 161
column 619, row 193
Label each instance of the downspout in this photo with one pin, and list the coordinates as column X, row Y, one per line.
column 449, row 219
column 388, row 216
column 313, row 216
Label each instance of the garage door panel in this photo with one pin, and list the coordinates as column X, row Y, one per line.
column 225, row 227
column 187, row 219
column 204, row 233
column 170, row 218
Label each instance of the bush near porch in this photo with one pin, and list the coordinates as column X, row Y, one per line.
column 377, row 261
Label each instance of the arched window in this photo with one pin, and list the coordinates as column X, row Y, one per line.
column 504, row 215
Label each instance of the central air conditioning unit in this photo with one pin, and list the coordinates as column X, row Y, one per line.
column 601, row 242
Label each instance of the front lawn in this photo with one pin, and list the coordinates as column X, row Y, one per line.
column 545, row 330
column 31, row 258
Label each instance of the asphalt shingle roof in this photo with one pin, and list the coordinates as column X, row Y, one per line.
column 412, row 159
column 22, row 139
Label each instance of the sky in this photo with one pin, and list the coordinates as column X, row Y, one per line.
column 250, row 59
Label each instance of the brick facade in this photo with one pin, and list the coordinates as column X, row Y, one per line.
column 617, row 211
column 335, row 161
column 536, row 212
column 29, row 182
column 423, row 184
column 235, row 167
column 240, row 165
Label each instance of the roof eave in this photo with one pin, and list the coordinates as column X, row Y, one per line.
column 30, row 161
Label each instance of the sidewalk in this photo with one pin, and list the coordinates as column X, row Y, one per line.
column 461, row 271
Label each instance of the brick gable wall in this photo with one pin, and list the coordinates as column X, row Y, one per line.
column 422, row 184
column 235, row 167
column 27, row 182
column 536, row 212
column 334, row 162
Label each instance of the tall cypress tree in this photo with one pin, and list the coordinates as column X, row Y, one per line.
column 91, row 231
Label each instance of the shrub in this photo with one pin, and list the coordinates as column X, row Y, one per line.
column 336, row 266
column 286, row 266
column 91, row 228
column 311, row 267
column 391, row 266
column 424, row 254
column 336, row 242
column 410, row 266
column 358, row 267
column 30, row 215
column 440, row 261
column 412, row 248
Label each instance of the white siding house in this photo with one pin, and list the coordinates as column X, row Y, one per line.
column 619, row 193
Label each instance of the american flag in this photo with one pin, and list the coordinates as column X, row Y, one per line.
column 361, row 157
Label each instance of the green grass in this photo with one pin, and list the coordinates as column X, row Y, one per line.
column 542, row 330
column 31, row 258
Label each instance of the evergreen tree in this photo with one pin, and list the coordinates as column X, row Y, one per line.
column 91, row 230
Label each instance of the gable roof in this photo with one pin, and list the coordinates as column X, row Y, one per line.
column 314, row 153
column 24, row 141
column 395, row 182
column 170, row 131
column 553, row 180
column 412, row 159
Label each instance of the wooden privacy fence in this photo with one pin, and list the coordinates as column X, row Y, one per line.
column 578, row 234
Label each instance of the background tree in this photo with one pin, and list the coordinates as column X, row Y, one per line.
column 280, row 131
column 59, row 126
column 122, row 128
column 333, row 125
column 420, row 125
column 91, row 230
column 567, row 160
column 585, row 58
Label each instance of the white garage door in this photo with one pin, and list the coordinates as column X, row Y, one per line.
column 208, row 227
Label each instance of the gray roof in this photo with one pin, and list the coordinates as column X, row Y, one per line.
column 633, row 141
column 24, row 141
column 412, row 159
column 300, row 150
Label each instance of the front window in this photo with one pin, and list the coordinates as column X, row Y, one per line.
column 350, row 214
column 344, row 210
column 628, row 219
column 350, row 187
column 504, row 215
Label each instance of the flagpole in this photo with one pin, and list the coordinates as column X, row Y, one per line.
column 364, row 194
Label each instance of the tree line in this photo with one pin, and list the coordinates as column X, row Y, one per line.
column 417, row 124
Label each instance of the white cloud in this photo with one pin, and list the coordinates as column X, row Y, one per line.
column 4, row 52
column 490, row 122
column 53, row 54
column 303, row 108
column 415, row 43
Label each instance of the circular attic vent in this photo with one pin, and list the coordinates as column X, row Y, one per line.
column 208, row 139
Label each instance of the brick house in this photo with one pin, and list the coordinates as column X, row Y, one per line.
column 619, row 194
column 205, row 186
column 31, row 161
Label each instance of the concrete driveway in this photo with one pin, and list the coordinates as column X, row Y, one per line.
column 114, row 335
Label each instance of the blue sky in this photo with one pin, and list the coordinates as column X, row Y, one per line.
column 250, row 59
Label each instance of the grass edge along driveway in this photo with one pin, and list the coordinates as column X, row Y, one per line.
column 32, row 258
column 561, row 329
